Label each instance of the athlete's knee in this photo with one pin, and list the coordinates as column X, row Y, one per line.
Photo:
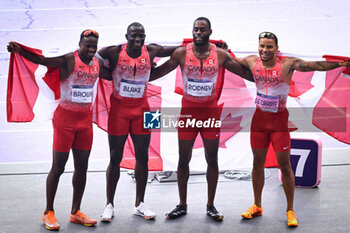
column 286, row 170
column 56, row 171
column 184, row 161
column 115, row 157
column 142, row 159
column 81, row 169
column 212, row 162
column 258, row 162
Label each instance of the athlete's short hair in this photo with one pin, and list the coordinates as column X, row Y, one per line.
column 205, row 19
column 134, row 24
column 268, row 35
column 89, row 32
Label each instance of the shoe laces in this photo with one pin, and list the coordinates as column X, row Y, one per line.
column 109, row 208
column 254, row 208
column 51, row 216
column 80, row 214
column 291, row 215
column 212, row 209
column 180, row 208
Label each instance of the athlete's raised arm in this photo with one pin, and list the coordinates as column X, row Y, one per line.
column 46, row 61
column 305, row 66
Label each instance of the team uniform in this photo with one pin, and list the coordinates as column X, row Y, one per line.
column 199, row 100
column 270, row 120
column 129, row 98
column 72, row 121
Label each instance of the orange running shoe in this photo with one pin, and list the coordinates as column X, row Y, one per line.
column 254, row 210
column 81, row 218
column 291, row 219
column 50, row 221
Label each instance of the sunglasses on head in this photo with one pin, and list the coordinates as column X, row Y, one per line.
column 90, row 33
column 268, row 35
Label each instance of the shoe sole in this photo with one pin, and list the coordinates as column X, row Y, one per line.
column 145, row 217
column 253, row 215
column 175, row 217
column 82, row 223
column 292, row 224
column 219, row 219
column 51, row 228
column 107, row 219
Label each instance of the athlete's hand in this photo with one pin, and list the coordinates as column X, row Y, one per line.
column 222, row 45
column 344, row 63
column 13, row 47
column 153, row 65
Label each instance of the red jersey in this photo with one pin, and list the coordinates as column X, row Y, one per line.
column 272, row 91
column 131, row 75
column 199, row 81
column 77, row 91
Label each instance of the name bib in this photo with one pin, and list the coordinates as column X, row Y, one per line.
column 82, row 93
column 196, row 87
column 131, row 89
column 267, row 103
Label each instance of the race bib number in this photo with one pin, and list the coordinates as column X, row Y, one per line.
column 82, row 93
column 131, row 89
column 197, row 87
column 267, row 103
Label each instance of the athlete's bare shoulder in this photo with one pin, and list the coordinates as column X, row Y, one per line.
column 179, row 55
column 289, row 62
column 68, row 56
column 251, row 58
column 181, row 50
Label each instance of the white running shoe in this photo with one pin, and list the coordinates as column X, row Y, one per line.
column 108, row 213
column 142, row 210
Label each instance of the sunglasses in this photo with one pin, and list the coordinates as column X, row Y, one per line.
column 91, row 33
column 268, row 35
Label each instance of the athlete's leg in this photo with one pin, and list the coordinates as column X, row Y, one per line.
column 141, row 145
column 116, row 148
column 211, row 155
column 183, row 170
column 260, row 141
column 281, row 144
column 258, row 175
column 287, row 177
column 81, row 159
column 58, row 163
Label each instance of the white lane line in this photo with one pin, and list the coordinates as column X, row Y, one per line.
column 224, row 3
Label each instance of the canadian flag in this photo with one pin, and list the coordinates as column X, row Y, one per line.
column 33, row 94
column 331, row 113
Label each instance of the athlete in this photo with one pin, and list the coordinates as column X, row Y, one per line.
column 200, row 62
column 72, row 121
column 272, row 75
column 129, row 66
